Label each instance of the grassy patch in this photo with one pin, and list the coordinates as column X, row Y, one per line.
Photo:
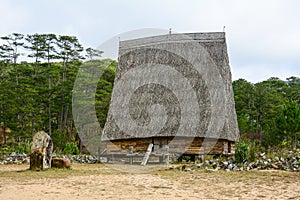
column 76, row 170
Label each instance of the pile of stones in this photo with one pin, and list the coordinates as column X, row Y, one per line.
column 14, row 158
column 288, row 162
column 79, row 159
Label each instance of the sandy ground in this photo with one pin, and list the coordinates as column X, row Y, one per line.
column 103, row 182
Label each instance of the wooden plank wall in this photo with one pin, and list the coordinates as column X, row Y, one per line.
column 192, row 146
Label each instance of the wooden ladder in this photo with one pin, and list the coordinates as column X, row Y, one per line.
column 147, row 154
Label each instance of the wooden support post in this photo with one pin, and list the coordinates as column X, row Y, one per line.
column 166, row 154
column 161, row 159
column 131, row 160
column 130, row 149
column 98, row 155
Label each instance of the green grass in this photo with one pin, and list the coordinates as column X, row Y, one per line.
column 193, row 176
column 76, row 170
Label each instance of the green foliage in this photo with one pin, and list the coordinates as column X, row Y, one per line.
column 18, row 148
column 71, row 148
column 272, row 137
column 38, row 94
column 288, row 122
column 59, row 140
column 285, row 144
column 253, row 150
column 4, row 150
column 246, row 151
column 244, row 92
column 241, row 152
column 21, row 147
column 258, row 108
column 91, row 53
column 104, row 90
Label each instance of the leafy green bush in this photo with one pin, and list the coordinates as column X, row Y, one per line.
column 4, row 150
column 59, row 140
column 241, row 151
column 253, row 149
column 272, row 138
column 247, row 150
column 71, row 148
column 21, row 147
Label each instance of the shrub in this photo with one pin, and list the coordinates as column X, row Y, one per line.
column 241, row 151
column 4, row 150
column 18, row 147
column 21, row 147
column 59, row 140
column 71, row 148
column 253, row 149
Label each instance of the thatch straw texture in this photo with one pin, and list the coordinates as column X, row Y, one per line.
column 173, row 85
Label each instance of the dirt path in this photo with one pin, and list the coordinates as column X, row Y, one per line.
column 102, row 182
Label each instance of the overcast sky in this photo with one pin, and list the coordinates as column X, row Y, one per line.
column 263, row 37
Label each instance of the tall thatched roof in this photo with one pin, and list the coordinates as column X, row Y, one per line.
column 173, row 85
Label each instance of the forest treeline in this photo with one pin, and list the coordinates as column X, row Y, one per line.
column 37, row 94
column 269, row 111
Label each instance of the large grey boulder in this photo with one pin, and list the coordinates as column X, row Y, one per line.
column 41, row 151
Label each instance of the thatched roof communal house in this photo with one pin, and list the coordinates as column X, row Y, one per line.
column 173, row 91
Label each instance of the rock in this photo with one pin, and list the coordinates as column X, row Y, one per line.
column 214, row 164
column 26, row 160
column 210, row 170
column 230, row 166
column 225, row 163
column 12, row 154
column 295, row 169
column 235, row 168
column 274, row 166
column 262, row 154
column 61, row 163
column 90, row 158
column 187, row 169
column 198, row 165
column 41, row 151
column 183, row 167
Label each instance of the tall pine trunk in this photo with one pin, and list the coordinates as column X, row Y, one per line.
column 62, row 114
column 34, row 88
column 49, row 105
